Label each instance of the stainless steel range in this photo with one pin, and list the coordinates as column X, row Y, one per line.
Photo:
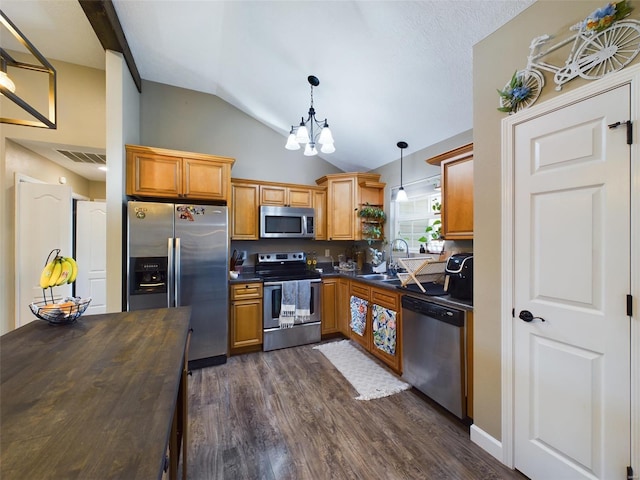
column 277, row 269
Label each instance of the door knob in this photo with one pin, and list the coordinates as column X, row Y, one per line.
column 527, row 316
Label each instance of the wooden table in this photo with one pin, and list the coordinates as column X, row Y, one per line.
column 101, row 398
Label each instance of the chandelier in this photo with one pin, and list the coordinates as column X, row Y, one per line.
column 310, row 131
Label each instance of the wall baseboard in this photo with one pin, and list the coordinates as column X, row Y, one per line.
column 486, row 442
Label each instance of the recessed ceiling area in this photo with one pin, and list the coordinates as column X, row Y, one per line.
column 388, row 70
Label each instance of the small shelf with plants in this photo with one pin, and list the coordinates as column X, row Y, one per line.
column 372, row 218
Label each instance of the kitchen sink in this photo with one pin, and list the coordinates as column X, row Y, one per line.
column 377, row 276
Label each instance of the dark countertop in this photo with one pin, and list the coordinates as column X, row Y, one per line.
column 94, row 399
column 444, row 300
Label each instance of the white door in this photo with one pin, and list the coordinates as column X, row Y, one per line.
column 43, row 222
column 572, row 269
column 91, row 254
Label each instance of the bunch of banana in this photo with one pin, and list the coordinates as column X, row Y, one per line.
column 59, row 271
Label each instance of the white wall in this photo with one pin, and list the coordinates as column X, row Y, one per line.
column 123, row 119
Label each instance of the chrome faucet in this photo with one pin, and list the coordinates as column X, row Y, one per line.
column 392, row 265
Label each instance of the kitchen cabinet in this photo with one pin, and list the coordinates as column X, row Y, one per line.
column 329, row 298
column 375, row 322
column 346, row 194
column 343, row 312
column 285, row 196
column 244, row 211
column 360, row 319
column 457, row 192
column 386, row 324
column 160, row 173
column 248, row 195
column 245, row 317
column 320, row 207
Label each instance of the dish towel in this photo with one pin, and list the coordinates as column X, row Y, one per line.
column 303, row 301
column 288, row 304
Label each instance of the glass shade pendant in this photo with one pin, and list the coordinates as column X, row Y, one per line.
column 302, row 136
column 328, row 148
column 292, row 144
column 402, row 195
column 325, row 135
column 310, row 150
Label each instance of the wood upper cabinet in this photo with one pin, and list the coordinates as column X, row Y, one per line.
column 248, row 195
column 244, row 211
column 346, row 194
column 160, row 173
column 320, row 207
column 457, row 192
column 245, row 316
column 285, row 196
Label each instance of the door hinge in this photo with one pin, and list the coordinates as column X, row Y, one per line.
column 629, row 130
column 629, row 305
column 629, row 473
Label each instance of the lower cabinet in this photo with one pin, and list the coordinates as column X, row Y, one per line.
column 329, row 298
column 375, row 322
column 245, row 315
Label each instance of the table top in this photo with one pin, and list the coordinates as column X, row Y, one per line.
column 94, row 399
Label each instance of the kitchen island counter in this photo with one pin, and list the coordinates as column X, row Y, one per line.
column 95, row 399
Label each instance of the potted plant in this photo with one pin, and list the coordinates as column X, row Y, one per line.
column 372, row 213
column 433, row 239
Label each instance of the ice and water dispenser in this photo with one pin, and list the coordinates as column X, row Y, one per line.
column 148, row 288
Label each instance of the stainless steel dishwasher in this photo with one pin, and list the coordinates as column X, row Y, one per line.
column 434, row 352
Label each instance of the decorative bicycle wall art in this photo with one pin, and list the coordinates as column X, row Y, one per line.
column 605, row 42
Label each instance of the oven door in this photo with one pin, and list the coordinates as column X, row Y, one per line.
column 273, row 301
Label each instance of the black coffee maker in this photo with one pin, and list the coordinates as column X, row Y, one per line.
column 458, row 280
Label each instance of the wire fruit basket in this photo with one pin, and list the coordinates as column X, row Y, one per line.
column 63, row 313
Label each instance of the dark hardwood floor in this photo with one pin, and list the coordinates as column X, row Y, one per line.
column 289, row 414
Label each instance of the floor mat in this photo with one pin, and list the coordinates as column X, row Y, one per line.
column 367, row 377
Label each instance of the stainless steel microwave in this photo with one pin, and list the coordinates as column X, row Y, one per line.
column 286, row 222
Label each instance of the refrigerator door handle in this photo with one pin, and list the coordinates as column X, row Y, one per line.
column 170, row 274
column 178, row 273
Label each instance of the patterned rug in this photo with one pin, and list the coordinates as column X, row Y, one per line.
column 367, row 377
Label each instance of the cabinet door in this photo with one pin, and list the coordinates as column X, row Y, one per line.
column 273, row 195
column 386, row 334
column 457, row 198
column 329, row 305
column 320, row 207
column 299, row 197
column 360, row 315
column 244, row 211
column 246, row 323
column 343, row 312
column 204, row 179
column 154, row 175
column 341, row 216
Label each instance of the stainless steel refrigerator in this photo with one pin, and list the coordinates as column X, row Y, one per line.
column 178, row 255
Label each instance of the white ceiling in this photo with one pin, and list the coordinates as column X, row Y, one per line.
column 388, row 70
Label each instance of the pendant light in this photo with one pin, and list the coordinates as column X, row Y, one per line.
column 401, row 196
column 307, row 132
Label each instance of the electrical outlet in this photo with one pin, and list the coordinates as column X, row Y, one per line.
column 327, row 252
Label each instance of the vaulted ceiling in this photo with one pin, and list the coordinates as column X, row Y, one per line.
column 388, row 70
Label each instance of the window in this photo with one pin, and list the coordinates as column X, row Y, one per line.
column 421, row 210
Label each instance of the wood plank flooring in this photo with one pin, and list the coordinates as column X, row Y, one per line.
column 289, row 414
